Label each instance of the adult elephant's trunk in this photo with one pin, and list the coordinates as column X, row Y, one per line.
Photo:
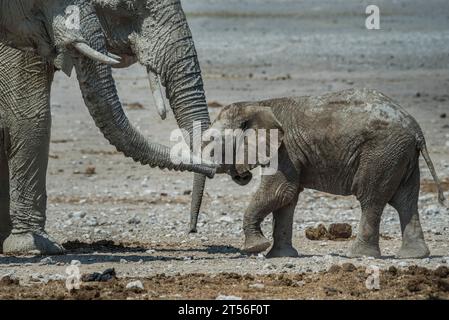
column 185, row 90
column 100, row 95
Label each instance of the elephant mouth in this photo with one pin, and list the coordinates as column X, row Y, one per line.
column 242, row 178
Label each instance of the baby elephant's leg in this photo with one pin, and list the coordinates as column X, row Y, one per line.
column 405, row 201
column 282, row 232
column 367, row 241
column 275, row 192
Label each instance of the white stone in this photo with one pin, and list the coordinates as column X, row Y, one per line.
column 135, row 285
column 224, row 297
column 256, row 286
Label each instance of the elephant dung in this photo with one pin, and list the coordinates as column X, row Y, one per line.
column 337, row 231
column 317, row 233
column 340, row 231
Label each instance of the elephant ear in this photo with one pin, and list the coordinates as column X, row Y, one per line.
column 260, row 140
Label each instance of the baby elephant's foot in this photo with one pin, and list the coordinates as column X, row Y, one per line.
column 360, row 249
column 415, row 249
column 282, row 251
column 32, row 243
column 256, row 244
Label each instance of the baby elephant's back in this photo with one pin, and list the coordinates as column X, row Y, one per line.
column 353, row 114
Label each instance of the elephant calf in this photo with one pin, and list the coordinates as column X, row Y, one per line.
column 353, row 142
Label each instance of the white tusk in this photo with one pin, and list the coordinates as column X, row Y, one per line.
column 156, row 90
column 114, row 56
column 93, row 54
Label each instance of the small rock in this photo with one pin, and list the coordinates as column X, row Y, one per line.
column 135, row 285
column 92, row 222
column 441, row 271
column 224, row 297
column 150, row 251
column 133, row 220
column 443, row 285
column 317, row 233
column 226, row 219
column 340, row 231
column 187, row 192
column 348, row 267
column 123, row 261
column 393, row 270
column 77, row 215
column 289, row 265
column 335, row 268
column 8, row 280
column 256, row 286
column 268, row 266
column 90, row 170
column 46, row 261
column 134, row 106
column 402, row 264
column 106, row 275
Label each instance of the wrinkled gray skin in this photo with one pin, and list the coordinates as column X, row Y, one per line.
column 354, row 142
column 155, row 33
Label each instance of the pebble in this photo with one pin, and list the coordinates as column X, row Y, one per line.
column 92, row 222
column 268, row 266
column 77, row 215
column 150, row 251
column 46, row 261
column 224, row 297
column 226, row 219
column 256, row 286
column 123, row 261
column 133, row 220
column 135, row 285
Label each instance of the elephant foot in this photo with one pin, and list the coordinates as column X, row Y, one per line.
column 256, row 244
column 416, row 249
column 361, row 249
column 31, row 243
column 2, row 239
column 283, row 251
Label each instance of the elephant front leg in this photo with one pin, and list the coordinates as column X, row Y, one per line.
column 28, row 158
column 282, row 232
column 5, row 221
column 275, row 192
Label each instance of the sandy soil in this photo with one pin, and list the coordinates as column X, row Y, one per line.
column 111, row 212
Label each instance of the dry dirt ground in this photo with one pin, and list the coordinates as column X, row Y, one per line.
column 112, row 213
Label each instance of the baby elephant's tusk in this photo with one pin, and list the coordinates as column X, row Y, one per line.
column 93, row 54
column 156, row 90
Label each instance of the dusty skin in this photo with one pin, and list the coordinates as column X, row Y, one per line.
column 96, row 194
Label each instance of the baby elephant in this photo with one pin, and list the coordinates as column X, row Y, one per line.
column 353, row 142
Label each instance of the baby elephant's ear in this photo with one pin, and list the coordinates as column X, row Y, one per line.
column 260, row 117
column 260, row 128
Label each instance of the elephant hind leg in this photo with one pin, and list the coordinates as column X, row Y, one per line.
column 5, row 220
column 405, row 201
column 376, row 182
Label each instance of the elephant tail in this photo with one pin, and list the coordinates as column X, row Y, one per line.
column 425, row 154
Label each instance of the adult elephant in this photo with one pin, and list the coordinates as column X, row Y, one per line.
column 154, row 32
